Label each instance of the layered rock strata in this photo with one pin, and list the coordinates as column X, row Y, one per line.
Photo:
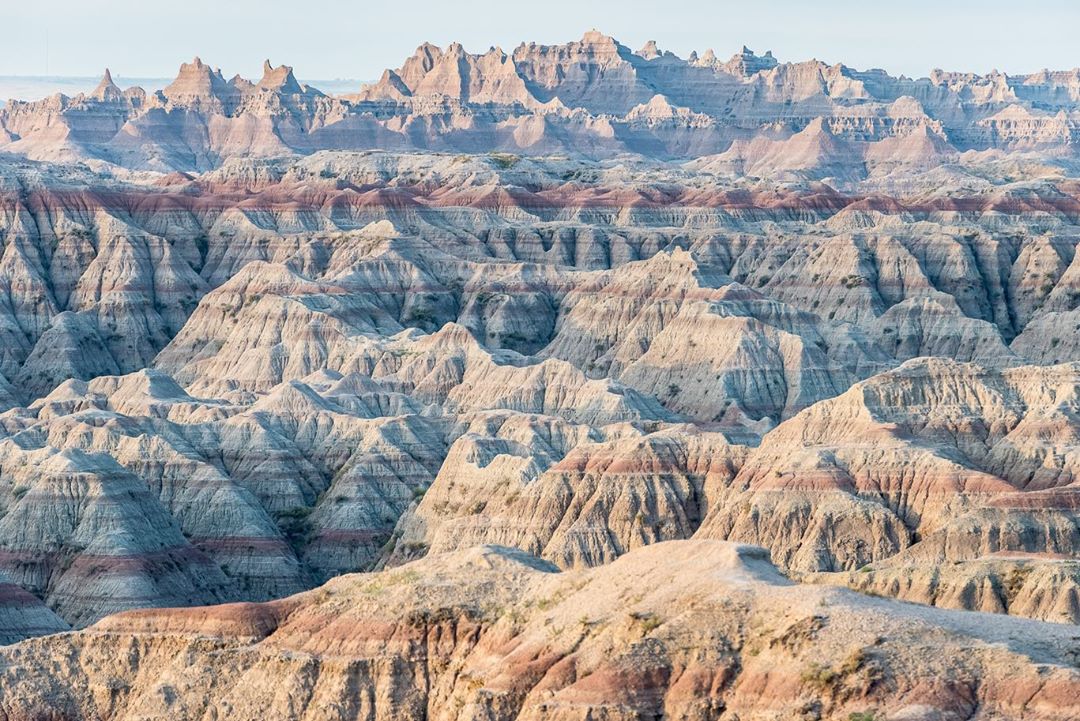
column 683, row 630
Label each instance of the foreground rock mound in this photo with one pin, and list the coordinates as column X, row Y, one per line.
column 684, row 630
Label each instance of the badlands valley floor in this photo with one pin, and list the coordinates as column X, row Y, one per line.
column 565, row 383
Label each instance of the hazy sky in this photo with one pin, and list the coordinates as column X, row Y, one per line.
column 356, row 39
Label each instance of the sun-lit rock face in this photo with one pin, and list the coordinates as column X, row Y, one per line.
column 602, row 499
column 681, row 630
column 809, row 288
column 750, row 114
column 936, row 461
column 247, row 381
column 575, row 300
column 1032, row 585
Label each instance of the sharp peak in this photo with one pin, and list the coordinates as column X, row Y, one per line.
column 280, row 77
column 591, row 37
column 198, row 66
column 269, row 68
column 106, row 88
column 427, row 47
column 430, row 48
column 649, row 50
column 748, row 53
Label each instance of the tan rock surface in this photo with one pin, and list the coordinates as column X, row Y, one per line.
column 1041, row 586
column 683, row 629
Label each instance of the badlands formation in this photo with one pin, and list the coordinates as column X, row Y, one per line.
column 684, row 630
column 497, row 388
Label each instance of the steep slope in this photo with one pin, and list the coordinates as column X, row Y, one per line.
column 600, row 500
column 102, row 274
column 935, row 471
column 941, row 461
column 251, row 340
column 575, row 358
column 1031, row 585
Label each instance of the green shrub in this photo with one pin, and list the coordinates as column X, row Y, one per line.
column 504, row 161
column 295, row 525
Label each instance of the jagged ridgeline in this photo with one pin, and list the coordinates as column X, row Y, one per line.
column 519, row 337
column 594, row 98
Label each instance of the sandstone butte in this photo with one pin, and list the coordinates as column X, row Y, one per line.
column 559, row 382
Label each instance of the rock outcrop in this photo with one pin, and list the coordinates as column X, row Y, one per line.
column 295, row 368
column 942, row 461
column 681, row 630
column 595, row 97
column 1042, row 586
column 250, row 340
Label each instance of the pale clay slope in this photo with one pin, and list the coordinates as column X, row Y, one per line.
column 1016, row 583
column 264, row 498
column 242, row 378
column 880, row 475
column 944, row 285
column 335, row 335
column 572, row 492
column 620, row 299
